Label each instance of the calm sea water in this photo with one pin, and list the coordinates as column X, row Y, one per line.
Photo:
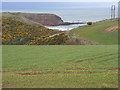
column 68, row 11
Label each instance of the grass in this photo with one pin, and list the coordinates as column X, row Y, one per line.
column 21, row 18
column 96, row 33
column 60, row 66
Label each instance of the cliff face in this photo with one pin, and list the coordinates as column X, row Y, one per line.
column 45, row 19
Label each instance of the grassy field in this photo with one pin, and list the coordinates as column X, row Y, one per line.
column 96, row 32
column 60, row 66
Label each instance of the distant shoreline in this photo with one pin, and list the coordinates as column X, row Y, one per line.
column 52, row 21
column 64, row 23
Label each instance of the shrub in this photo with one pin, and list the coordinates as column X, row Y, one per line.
column 89, row 23
column 15, row 32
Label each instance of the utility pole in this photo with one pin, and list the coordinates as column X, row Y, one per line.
column 112, row 11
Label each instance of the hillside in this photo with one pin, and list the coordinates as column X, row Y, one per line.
column 15, row 32
column 35, row 19
column 102, row 32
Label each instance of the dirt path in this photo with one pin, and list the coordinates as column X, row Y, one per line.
column 30, row 21
column 54, row 35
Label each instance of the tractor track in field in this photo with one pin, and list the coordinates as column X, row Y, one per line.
column 90, row 72
column 58, row 69
column 90, row 59
column 59, row 73
column 41, row 71
column 82, row 69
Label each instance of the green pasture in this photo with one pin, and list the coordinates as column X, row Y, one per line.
column 60, row 66
column 96, row 32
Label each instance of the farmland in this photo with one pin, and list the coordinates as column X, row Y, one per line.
column 91, row 66
column 36, row 57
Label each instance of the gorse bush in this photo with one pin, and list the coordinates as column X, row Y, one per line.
column 15, row 32
column 89, row 23
column 56, row 39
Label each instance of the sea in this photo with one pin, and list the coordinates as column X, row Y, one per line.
column 68, row 11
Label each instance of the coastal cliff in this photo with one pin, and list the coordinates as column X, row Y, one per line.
column 45, row 19
column 41, row 19
column 35, row 18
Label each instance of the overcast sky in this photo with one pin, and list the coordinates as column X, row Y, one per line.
column 60, row 0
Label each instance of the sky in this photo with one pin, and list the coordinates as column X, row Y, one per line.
column 60, row 0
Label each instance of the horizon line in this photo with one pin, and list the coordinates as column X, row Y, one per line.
column 64, row 1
